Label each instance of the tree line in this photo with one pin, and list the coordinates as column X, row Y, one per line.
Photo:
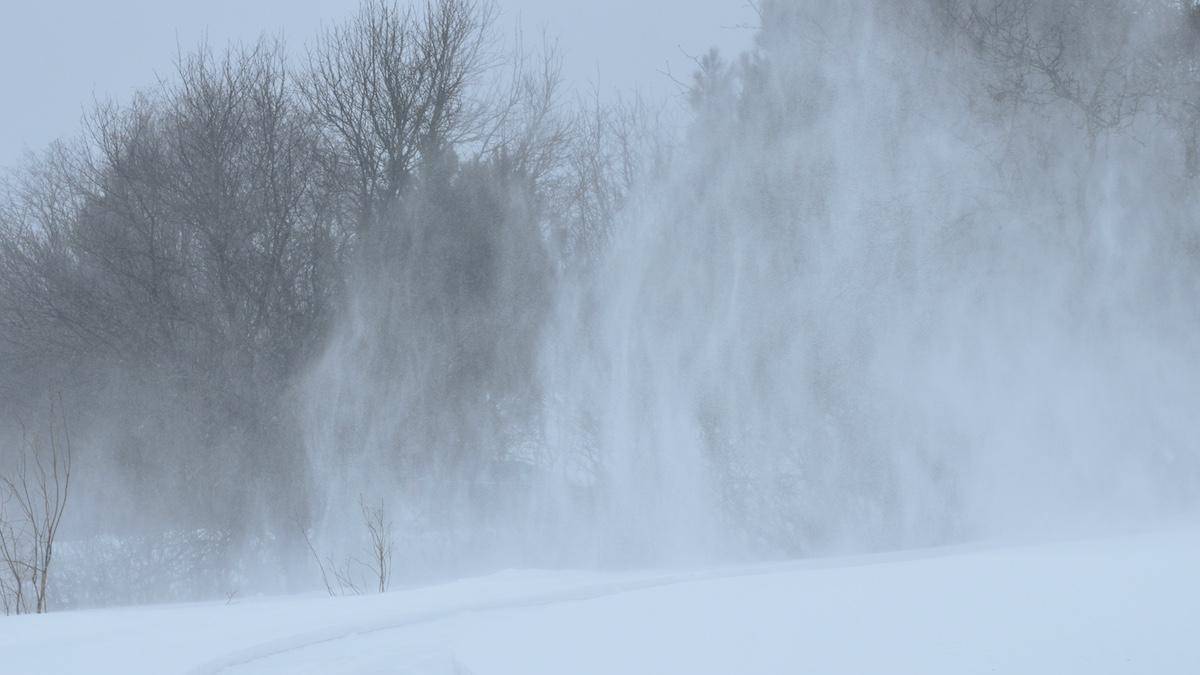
column 263, row 253
column 175, row 269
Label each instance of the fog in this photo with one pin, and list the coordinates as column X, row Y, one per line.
column 893, row 277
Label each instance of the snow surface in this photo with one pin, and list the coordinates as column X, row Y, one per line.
column 1129, row 604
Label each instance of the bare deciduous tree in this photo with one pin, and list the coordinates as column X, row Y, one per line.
column 354, row 574
column 391, row 86
column 1087, row 55
column 525, row 127
column 33, row 498
column 379, row 531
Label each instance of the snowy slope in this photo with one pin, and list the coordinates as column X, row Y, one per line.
column 1119, row 605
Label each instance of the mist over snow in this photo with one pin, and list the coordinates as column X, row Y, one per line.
column 405, row 305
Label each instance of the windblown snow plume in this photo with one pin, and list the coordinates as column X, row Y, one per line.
column 906, row 281
column 407, row 306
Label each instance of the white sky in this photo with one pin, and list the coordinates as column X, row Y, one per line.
column 55, row 54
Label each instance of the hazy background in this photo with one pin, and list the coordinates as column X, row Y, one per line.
column 886, row 276
column 56, row 54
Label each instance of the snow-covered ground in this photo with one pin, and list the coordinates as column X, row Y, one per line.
column 1127, row 604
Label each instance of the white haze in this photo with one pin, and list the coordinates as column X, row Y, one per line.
column 865, row 296
column 872, row 311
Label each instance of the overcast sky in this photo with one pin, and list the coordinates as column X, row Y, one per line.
column 55, row 54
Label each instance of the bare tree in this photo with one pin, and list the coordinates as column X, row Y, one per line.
column 1087, row 55
column 14, row 577
column 33, row 498
column 354, row 574
column 379, row 531
column 391, row 87
column 338, row 579
column 525, row 128
column 611, row 145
